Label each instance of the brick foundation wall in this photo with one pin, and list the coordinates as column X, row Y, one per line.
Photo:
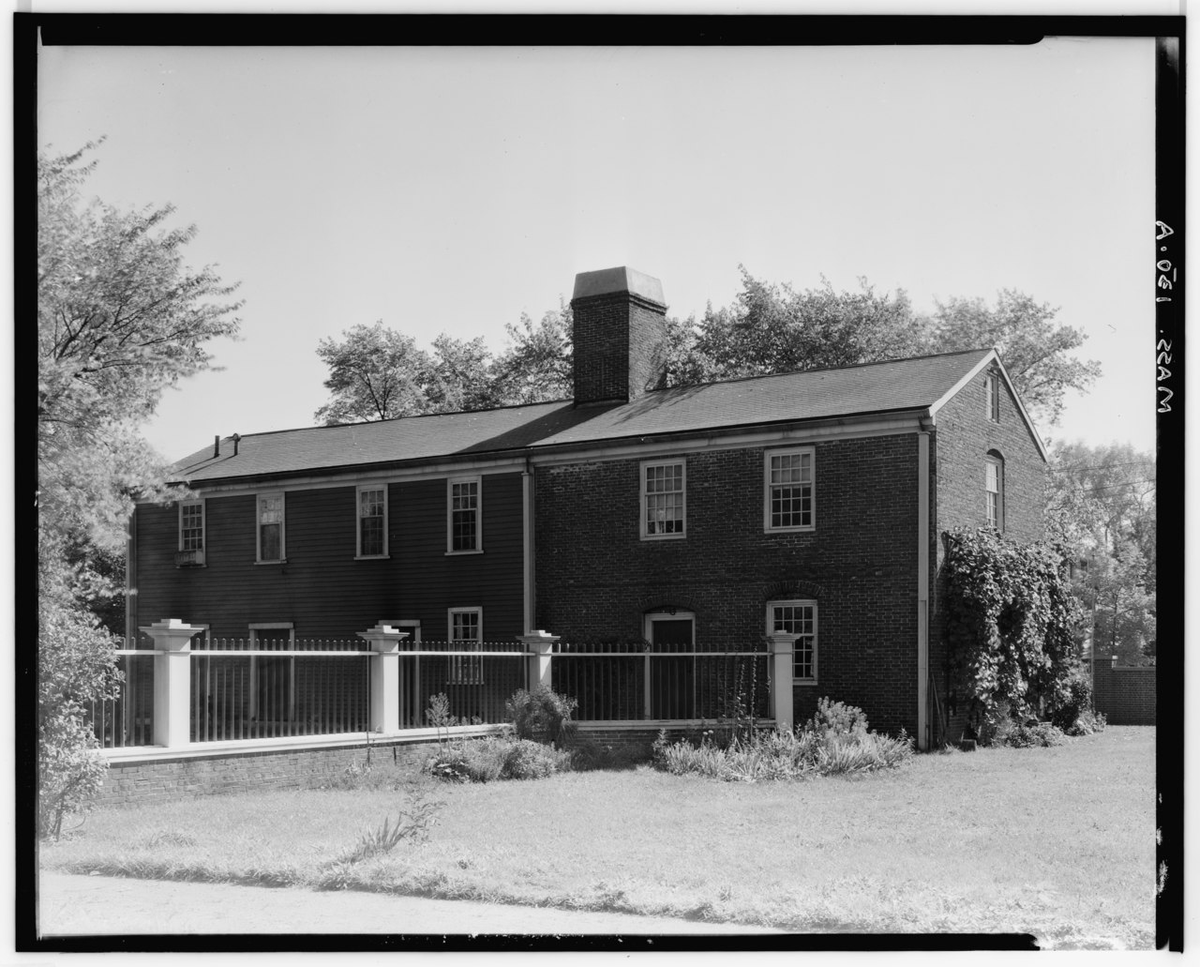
column 859, row 563
column 1126, row 694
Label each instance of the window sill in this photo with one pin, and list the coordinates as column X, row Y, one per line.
column 189, row 567
column 269, row 563
column 460, row 553
column 804, row 681
column 790, row 530
column 372, row 557
column 664, row 537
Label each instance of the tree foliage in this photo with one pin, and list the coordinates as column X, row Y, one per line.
column 1011, row 623
column 120, row 318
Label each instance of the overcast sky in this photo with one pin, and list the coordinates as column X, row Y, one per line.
column 443, row 189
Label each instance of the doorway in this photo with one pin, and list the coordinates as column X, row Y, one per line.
column 670, row 681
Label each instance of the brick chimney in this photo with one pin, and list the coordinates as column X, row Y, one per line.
column 620, row 335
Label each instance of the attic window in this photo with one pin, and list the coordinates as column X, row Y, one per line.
column 991, row 388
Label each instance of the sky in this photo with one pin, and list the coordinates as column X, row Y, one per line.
column 452, row 189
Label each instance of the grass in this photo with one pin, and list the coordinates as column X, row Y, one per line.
column 1057, row 842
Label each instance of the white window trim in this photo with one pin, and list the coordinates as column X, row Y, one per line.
column 680, row 462
column 258, row 558
column 991, row 390
column 255, row 628
column 411, row 625
column 358, row 492
column 816, row 637
column 476, row 479
column 812, row 462
column 464, row 662
column 199, row 501
column 997, row 462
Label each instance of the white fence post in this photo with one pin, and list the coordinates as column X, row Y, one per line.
column 539, row 645
column 385, row 676
column 782, row 646
column 172, row 681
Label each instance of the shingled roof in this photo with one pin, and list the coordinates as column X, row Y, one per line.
column 872, row 388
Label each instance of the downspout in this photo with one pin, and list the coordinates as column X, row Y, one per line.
column 923, row 588
column 527, row 544
column 131, row 582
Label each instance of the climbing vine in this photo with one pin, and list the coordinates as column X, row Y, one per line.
column 1010, row 623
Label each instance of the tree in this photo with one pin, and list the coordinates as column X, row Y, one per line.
column 538, row 364
column 375, row 373
column 120, row 318
column 460, row 376
column 1035, row 350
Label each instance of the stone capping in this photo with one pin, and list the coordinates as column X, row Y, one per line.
column 620, row 280
column 1134, row 668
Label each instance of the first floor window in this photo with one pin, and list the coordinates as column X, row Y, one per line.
column 270, row 527
column 789, row 489
column 191, row 526
column 272, row 697
column 463, row 511
column 797, row 618
column 994, row 491
column 466, row 634
column 663, row 497
column 372, row 521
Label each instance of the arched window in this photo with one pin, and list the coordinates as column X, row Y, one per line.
column 994, row 490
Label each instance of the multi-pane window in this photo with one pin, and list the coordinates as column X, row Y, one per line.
column 270, row 527
column 463, row 512
column 789, row 489
column 994, row 491
column 797, row 618
column 191, row 526
column 663, row 499
column 372, row 521
column 991, row 386
column 466, row 633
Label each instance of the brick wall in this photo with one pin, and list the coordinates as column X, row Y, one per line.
column 962, row 439
column 1126, row 694
column 859, row 563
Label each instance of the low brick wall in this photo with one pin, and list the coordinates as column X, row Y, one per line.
column 160, row 777
column 1126, row 694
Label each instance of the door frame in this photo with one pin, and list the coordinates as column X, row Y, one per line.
column 648, row 620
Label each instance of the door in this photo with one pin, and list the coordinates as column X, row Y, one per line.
column 670, row 681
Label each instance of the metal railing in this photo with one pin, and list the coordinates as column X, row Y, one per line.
column 128, row 720
column 638, row 681
column 477, row 679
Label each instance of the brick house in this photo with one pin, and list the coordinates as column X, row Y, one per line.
column 696, row 518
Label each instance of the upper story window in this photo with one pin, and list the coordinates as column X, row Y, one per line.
column 463, row 506
column 191, row 533
column 991, row 388
column 270, row 528
column 372, row 521
column 664, row 499
column 994, row 490
column 466, row 628
column 790, row 500
column 797, row 617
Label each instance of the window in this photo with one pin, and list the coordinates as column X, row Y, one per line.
column 270, row 529
column 663, row 500
column 463, row 516
column 797, row 618
column 991, row 388
column 372, row 521
column 272, row 680
column 790, row 498
column 466, row 628
column 191, row 533
column 994, row 490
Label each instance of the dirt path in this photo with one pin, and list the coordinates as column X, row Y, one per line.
column 70, row 905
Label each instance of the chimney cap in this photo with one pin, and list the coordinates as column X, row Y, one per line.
column 620, row 279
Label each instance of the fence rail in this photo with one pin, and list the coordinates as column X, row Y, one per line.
column 267, row 688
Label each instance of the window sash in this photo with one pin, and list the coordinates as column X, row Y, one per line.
column 270, row 527
column 790, row 490
column 466, row 627
column 993, row 493
column 372, row 522
column 191, row 527
column 798, row 618
column 664, row 498
column 992, row 390
column 464, row 515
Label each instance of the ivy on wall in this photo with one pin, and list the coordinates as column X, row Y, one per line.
column 1010, row 623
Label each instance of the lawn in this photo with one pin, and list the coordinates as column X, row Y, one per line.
column 1057, row 842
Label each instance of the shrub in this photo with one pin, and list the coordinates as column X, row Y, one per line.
column 497, row 757
column 1035, row 734
column 837, row 718
column 1089, row 721
column 541, row 714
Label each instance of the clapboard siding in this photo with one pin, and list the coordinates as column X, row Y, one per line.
column 321, row 588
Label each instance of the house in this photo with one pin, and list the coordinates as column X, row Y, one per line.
column 699, row 519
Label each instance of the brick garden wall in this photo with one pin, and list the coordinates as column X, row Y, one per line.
column 1126, row 694
column 859, row 563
